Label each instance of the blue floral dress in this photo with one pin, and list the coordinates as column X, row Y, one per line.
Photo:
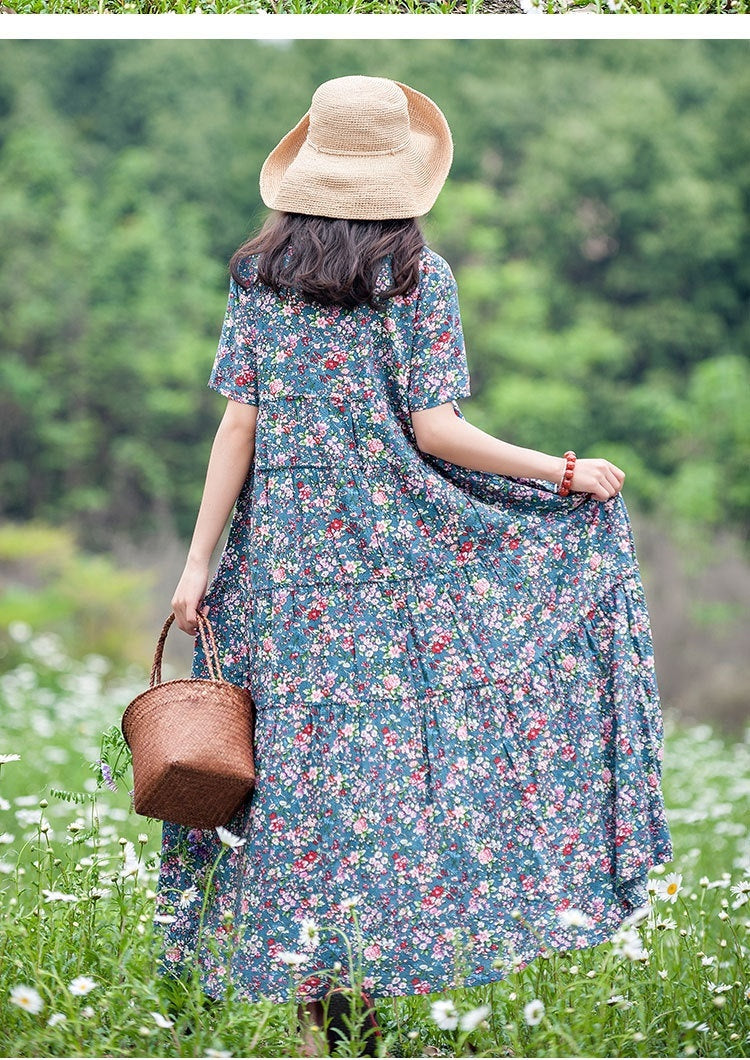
column 458, row 736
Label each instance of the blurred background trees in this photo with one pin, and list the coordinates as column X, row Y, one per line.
column 596, row 219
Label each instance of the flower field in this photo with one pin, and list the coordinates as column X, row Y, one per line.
column 77, row 874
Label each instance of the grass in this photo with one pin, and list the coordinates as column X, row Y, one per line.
column 77, row 874
column 382, row 7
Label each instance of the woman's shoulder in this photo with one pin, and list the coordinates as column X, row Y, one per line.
column 246, row 270
column 432, row 265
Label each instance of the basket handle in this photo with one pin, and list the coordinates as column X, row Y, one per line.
column 208, row 641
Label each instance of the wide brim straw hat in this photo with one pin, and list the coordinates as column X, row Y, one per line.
column 367, row 149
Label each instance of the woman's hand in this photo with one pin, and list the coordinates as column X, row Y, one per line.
column 598, row 477
column 188, row 596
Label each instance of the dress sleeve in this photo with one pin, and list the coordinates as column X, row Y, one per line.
column 438, row 371
column 234, row 373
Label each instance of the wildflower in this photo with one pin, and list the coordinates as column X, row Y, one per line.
column 309, row 934
column 665, row 923
column 628, row 944
column 741, row 892
column 58, row 896
column 349, row 903
column 445, row 1014
column 82, row 985
column 620, row 1001
column 142, row 838
column 161, row 1021
column 575, row 918
column 533, row 1011
column 8, row 758
column 131, row 866
column 215, row 1052
column 636, row 917
column 668, row 888
column 188, row 896
column 87, row 1012
column 26, row 998
column 294, row 960
column 228, row 839
column 164, row 918
column 471, row 1020
column 107, row 775
column 55, row 1018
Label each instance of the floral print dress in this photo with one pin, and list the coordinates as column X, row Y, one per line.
column 458, row 733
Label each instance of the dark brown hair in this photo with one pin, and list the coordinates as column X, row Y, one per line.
column 333, row 261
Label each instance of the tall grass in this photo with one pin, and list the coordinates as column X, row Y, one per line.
column 78, row 956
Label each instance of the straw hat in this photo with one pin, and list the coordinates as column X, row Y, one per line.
column 367, row 149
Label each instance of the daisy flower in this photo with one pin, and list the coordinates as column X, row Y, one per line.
column 471, row 1020
column 309, row 934
column 575, row 918
column 668, row 888
column 189, row 895
column 161, row 1021
column 26, row 998
column 8, row 758
column 55, row 1018
column 58, row 896
column 533, row 1011
column 445, row 1014
column 228, row 839
column 294, row 960
column 82, row 985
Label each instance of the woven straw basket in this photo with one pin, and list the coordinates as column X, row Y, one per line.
column 192, row 743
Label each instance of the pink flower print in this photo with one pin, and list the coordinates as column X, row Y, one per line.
column 391, row 681
column 568, row 752
column 485, row 855
column 375, row 445
column 595, row 560
column 481, row 586
column 275, row 386
column 379, row 496
column 334, row 528
column 372, row 952
column 360, row 825
column 569, row 662
column 278, row 574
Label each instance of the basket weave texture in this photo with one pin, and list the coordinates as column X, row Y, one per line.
column 192, row 742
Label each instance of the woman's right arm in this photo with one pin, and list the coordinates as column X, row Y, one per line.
column 228, row 465
column 441, row 433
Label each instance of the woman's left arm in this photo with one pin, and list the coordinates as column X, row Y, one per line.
column 231, row 456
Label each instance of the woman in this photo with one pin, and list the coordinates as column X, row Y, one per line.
column 458, row 735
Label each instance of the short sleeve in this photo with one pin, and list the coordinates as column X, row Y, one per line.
column 438, row 371
column 234, row 373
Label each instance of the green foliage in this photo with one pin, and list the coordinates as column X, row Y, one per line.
column 596, row 220
column 46, row 582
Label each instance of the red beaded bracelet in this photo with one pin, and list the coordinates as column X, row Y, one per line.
column 570, row 463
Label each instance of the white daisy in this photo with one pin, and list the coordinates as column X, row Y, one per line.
column 58, row 896
column 349, row 903
column 82, row 985
column 668, row 888
column 228, row 838
column 189, row 895
column 445, row 1014
column 87, row 1012
column 164, row 918
column 8, row 758
column 26, row 998
column 162, row 1021
column 294, row 960
column 533, row 1011
column 55, row 1018
column 575, row 918
column 309, row 934
column 471, row 1020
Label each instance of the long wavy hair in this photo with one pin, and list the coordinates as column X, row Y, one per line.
column 333, row 261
